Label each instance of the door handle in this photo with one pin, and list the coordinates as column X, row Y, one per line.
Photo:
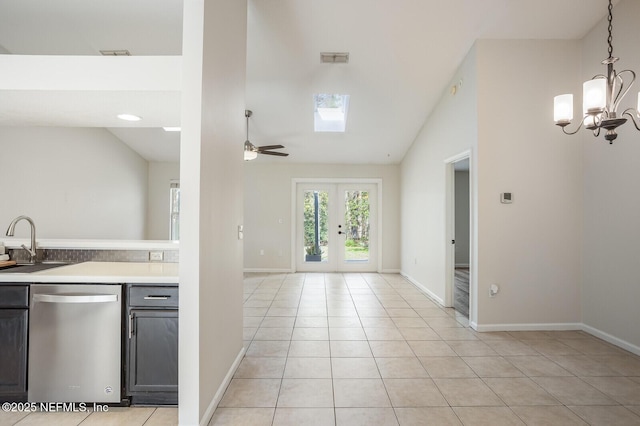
column 75, row 298
column 130, row 326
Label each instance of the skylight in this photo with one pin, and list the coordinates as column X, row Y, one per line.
column 330, row 112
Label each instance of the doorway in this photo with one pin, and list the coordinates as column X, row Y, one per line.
column 459, row 271
column 461, row 236
column 336, row 227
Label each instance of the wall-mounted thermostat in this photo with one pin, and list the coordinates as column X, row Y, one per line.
column 506, row 198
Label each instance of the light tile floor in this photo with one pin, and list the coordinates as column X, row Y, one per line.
column 116, row 416
column 371, row 349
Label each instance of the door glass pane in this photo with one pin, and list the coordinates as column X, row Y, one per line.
column 316, row 235
column 356, row 223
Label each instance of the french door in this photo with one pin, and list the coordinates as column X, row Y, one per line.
column 336, row 227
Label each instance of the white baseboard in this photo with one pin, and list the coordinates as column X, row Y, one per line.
column 389, row 271
column 208, row 415
column 529, row 327
column 635, row 349
column 423, row 289
column 612, row 339
column 268, row 270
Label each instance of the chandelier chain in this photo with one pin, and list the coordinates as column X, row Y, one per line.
column 610, row 39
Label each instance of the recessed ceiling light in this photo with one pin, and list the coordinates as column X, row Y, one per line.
column 129, row 117
column 172, row 129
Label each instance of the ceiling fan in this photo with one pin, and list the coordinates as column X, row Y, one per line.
column 251, row 151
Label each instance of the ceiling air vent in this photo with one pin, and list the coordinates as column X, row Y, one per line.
column 334, row 57
column 122, row 52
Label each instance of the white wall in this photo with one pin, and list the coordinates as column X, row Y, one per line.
column 529, row 248
column 448, row 131
column 211, row 186
column 158, row 214
column 73, row 182
column 462, row 218
column 611, row 288
column 267, row 198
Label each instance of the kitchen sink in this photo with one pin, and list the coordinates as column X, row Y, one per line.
column 27, row 268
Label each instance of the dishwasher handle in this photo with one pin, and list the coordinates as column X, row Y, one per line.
column 75, row 298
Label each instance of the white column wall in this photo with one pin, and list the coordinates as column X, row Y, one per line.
column 211, row 175
column 449, row 130
column 530, row 248
column 611, row 289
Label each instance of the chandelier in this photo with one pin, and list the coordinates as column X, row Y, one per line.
column 601, row 97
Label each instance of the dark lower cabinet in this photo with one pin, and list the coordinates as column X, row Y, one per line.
column 152, row 345
column 14, row 320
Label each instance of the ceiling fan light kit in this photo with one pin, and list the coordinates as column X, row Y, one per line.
column 251, row 151
column 601, row 97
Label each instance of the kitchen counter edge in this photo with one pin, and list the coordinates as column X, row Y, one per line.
column 100, row 273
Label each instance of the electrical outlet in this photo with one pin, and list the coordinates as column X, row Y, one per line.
column 261, row 252
column 156, row 256
column 493, row 290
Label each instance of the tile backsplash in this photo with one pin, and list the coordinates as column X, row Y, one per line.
column 87, row 255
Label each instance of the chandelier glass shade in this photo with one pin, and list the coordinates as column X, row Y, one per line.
column 601, row 97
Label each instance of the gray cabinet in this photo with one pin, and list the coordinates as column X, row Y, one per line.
column 152, row 344
column 14, row 320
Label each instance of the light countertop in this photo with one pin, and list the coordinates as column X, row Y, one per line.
column 87, row 244
column 100, row 272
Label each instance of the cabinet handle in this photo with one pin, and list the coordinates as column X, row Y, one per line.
column 130, row 326
column 156, row 297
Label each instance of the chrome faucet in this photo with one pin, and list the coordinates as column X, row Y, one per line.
column 12, row 227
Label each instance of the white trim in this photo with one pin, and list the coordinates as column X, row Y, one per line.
column 450, row 233
column 389, row 271
column 458, row 157
column 611, row 339
column 269, row 270
column 616, row 341
column 208, row 414
column 422, row 288
column 529, row 327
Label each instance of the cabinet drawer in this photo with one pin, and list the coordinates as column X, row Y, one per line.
column 153, row 296
column 14, row 296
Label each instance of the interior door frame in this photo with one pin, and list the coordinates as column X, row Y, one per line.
column 335, row 181
column 450, row 234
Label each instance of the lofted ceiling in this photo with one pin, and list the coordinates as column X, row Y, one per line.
column 403, row 53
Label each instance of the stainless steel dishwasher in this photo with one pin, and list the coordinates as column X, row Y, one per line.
column 74, row 343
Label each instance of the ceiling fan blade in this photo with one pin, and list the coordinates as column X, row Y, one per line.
column 279, row 154
column 266, row 147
